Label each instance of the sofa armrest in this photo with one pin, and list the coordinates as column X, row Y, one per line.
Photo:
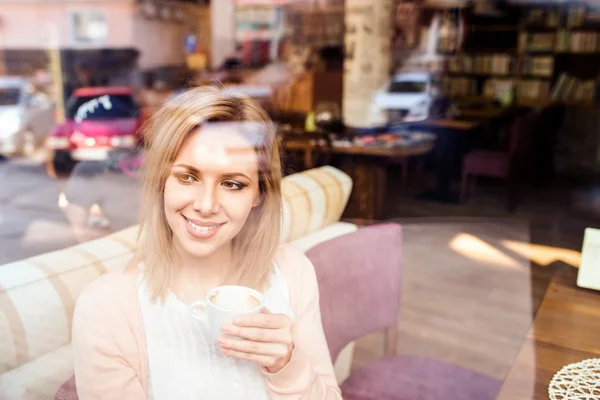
column 322, row 235
column 38, row 295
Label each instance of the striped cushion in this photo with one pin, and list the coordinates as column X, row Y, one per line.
column 39, row 379
column 312, row 200
column 37, row 295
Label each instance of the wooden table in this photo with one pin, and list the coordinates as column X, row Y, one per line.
column 365, row 164
column 484, row 113
column 308, row 146
column 447, row 123
column 391, row 152
column 566, row 330
column 367, row 167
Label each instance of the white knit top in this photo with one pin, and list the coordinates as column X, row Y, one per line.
column 183, row 359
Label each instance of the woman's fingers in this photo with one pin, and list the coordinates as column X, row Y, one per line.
column 263, row 320
column 258, row 334
column 253, row 347
column 263, row 338
column 263, row 360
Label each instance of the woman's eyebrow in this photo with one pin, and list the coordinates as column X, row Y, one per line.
column 188, row 167
column 229, row 175
column 233, row 175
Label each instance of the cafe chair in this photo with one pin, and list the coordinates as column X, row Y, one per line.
column 359, row 276
column 508, row 165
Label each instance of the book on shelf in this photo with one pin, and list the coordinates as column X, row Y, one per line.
column 542, row 66
column 529, row 41
column 562, row 41
column 497, row 88
column 535, row 16
column 454, row 64
column 583, row 42
column 467, row 64
column 553, row 18
column 576, row 16
column 459, row 86
column 522, row 42
column 447, row 45
column 545, row 17
column 568, row 87
column 549, row 17
column 533, row 89
column 493, row 64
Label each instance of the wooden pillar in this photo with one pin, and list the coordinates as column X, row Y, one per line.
column 367, row 45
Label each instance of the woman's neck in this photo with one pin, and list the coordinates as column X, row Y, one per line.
column 194, row 276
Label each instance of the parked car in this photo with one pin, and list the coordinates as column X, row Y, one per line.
column 99, row 123
column 407, row 97
column 26, row 117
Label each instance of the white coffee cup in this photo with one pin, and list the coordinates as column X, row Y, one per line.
column 224, row 303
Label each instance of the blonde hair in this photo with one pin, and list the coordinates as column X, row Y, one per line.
column 255, row 245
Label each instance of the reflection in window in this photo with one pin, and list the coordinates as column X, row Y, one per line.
column 407, row 87
column 89, row 26
column 99, row 108
column 9, row 96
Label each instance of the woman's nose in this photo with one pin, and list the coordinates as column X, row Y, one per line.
column 206, row 201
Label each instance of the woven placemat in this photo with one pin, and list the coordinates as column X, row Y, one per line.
column 579, row 381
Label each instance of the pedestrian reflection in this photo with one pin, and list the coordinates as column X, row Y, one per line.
column 102, row 196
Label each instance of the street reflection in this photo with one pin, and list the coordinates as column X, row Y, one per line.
column 101, row 197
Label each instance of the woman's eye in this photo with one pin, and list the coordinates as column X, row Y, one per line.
column 233, row 185
column 187, row 178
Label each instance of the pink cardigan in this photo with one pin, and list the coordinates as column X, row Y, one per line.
column 110, row 348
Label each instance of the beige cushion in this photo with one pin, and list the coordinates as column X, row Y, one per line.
column 312, row 200
column 37, row 295
column 39, row 379
column 323, row 235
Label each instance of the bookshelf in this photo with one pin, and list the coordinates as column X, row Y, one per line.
column 542, row 54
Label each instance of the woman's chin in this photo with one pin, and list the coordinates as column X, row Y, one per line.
column 200, row 250
column 202, row 247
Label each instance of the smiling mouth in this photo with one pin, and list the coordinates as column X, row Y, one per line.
column 199, row 228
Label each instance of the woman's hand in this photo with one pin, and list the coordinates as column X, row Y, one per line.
column 264, row 338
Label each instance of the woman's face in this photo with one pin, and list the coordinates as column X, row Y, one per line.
column 212, row 187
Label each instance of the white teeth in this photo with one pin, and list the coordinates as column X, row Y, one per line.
column 201, row 228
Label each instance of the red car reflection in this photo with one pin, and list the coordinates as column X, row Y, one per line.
column 98, row 122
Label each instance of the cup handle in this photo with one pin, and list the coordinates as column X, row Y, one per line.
column 193, row 308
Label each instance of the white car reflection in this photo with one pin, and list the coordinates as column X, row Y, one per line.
column 26, row 117
column 407, row 97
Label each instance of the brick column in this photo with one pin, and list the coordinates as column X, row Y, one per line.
column 367, row 45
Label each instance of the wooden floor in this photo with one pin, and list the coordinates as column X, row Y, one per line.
column 469, row 297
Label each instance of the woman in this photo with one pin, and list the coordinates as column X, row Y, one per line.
column 211, row 215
